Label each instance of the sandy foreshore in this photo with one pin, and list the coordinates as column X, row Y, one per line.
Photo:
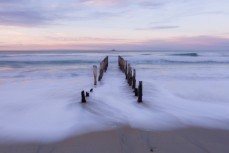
column 129, row 140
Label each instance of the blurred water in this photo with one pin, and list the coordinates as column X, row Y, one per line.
column 40, row 92
column 68, row 63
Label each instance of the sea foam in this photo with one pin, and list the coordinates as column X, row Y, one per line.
column 42, row 102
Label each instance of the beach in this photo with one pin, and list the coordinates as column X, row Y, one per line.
column 129, row 140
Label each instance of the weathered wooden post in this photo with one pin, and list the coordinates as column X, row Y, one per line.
column 126, row 69
column 106, row 63
column 129, row 78
column 83, row 99
column 128, row 72
column 136, row 91
column 101, row 71
column 87, row 94
column 95, row 74
column 134, row 80
column 123, row 65
column 140, row 92
column 103, row 67
column 119, row 61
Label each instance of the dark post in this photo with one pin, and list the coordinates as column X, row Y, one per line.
column 128, row 72
column 123, row 65
column 83, row 100
column 105, row 62
column 120, row 62
column 134, row 80
column 140, row 92
column 126, row 69
column 136, row 91
column 101, row 71
column 87, row 94
column 95, row 74
column 129, row 78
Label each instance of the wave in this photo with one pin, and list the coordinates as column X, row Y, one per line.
column 165, row 61
column 197, row 62
column 58, row 62
column 186, row 54
column 79, row 62
column 146, row 54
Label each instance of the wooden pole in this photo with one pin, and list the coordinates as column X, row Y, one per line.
column 105, row 62
column 126, row 69
column 87, row 94
column 123, row 65
column 95, row 74
column 140, row 92
column 119, row 62
column 134, row 80
column 131, row 77
column 83, row 99
column 129, row 74
column 136, row 91
column 101, row 71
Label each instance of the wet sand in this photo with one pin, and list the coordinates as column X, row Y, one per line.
column 129, row 140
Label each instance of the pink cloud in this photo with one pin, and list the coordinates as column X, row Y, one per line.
column 178, row 43
column 102, row 2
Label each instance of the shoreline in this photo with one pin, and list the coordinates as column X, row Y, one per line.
column 130, row 140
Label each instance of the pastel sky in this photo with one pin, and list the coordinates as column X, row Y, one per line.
column 114, row 24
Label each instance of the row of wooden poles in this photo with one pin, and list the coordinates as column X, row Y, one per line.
column 102, row 69
column 130, row 77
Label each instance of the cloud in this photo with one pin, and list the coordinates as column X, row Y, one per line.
column 10, row 1
column 198, row 43
column 152, row 4
column 22, row 13
column 164, row 27
column 44, row 12
column 36, row 13
column 102, row 2
column 22, row 18
column 159, row 27
column 85, row 39
column 186, row 43
column 2, row 45
column 95, row 16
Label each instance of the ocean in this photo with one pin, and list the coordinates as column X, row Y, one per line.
column 40, row 92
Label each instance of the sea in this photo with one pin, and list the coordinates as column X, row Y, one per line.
column 40, row 92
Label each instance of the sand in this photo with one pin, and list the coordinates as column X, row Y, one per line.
column 129, row 140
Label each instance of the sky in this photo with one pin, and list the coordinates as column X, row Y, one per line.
column 114, row 24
